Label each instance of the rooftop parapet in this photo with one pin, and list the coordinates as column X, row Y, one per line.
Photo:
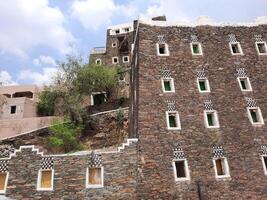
column 98, row 50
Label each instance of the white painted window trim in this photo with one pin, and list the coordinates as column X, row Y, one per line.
column 226, row 168
column 257, row 48
column 92, row 96
column 187, row 172
column 166, row 48
column 248, row 84
column 39, row 188
column 113, row 60
column 263, row 164
column 94, row 185
column 177, row 117
column 207, row 84
column 216, row 119
column 239, row 47
column 127, row 60
column 171, row 84
column 199, row 48
column 5, row 185
column 114, row 44
column 98, row 59
column 259, row 115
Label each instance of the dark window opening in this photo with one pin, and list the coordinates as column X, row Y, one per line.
column 265, row 161
column 243, row 84
column 162, row 49
column 254, row 116
column 180, row 169
column 202, row 85
column 261, row 47
column 210, row 119
column 98, row 61
column 196, row 49
column 121, row 76
column 115, row 60
column 99, row 98
column 125, row 59
column 27, row 94
column 127, row 29
column 219, row 167
column 117, row 31
column 13, row 109
column 7, row 95
column 172, row 120
column 235, row 48
column 167, row 85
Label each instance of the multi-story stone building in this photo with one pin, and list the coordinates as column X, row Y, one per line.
column 197, row 124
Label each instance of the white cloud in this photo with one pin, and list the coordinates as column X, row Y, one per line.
column 44, row 77
column 44, row 61
column 28, row 24
column 171, row 8
column 6, row 79
column 94, row 13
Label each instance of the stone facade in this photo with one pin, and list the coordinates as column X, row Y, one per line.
column 240, row 139
column 120, row 168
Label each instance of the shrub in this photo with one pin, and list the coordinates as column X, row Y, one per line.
column 120, row 117
column 65, row 135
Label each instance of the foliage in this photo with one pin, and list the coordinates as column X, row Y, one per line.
column 121, row 100
column 73, row 84
column 120, row 117
column 65, row 135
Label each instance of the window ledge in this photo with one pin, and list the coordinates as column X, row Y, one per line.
column 182, row 179
column 44, row 189
column 173, row 129
column 223, row 177
column 94, row 186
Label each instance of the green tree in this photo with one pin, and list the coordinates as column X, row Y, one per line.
column 65, row 136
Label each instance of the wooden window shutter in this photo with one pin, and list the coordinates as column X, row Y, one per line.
column 46, row 179
column 95, row 176
column 219, row 167
column 2, row 180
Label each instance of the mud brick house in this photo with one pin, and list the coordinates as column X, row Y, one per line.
column 197, row 123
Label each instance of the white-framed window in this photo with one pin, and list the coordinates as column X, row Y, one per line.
column 13, row 109
column 221, row 167
column 235, row 48
column 244, row 84
column 45, row 179
column 203, row 85
column 3, row 181
column 255, row 116
column 98, row 61
column 211, row 119
column 162, row 49
column 98, row 98
column 125, row 59
column 94, row 177
column 167, row 85
column 261, row 48
column 264, row 163
column 115, row 60
column 181, row 170
column 196, row 48
column 127, row 29
column 117, row 31
column 114, row 44
column 173, row 120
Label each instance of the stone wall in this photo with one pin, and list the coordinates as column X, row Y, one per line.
column 239, row 138
column 120, row 170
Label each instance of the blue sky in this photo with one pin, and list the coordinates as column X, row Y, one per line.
column 36, row 34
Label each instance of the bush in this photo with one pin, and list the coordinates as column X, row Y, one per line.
column 65, row 136
column 120, row 117
column 46, row 103
column 121, row 101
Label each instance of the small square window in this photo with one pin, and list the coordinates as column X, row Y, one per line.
column 235, row 48
column 173, row 120
column 114, row 44
column 13, row 109
column 181, row 171
column 196, row 49
column 94, row 177
column 264, row 163
column 261, row 48
column 115, row 60
column 127, row 29
column 98, row 61
column 244, row 84
column 211, row 119
column 45, row 179
column 203, row 85
column 125, row 59
column 162, row 49
column 3, row 182
column 117, row 31
column 98, row 98
column 255, row 116
column 167, row 85
column 221, row 168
